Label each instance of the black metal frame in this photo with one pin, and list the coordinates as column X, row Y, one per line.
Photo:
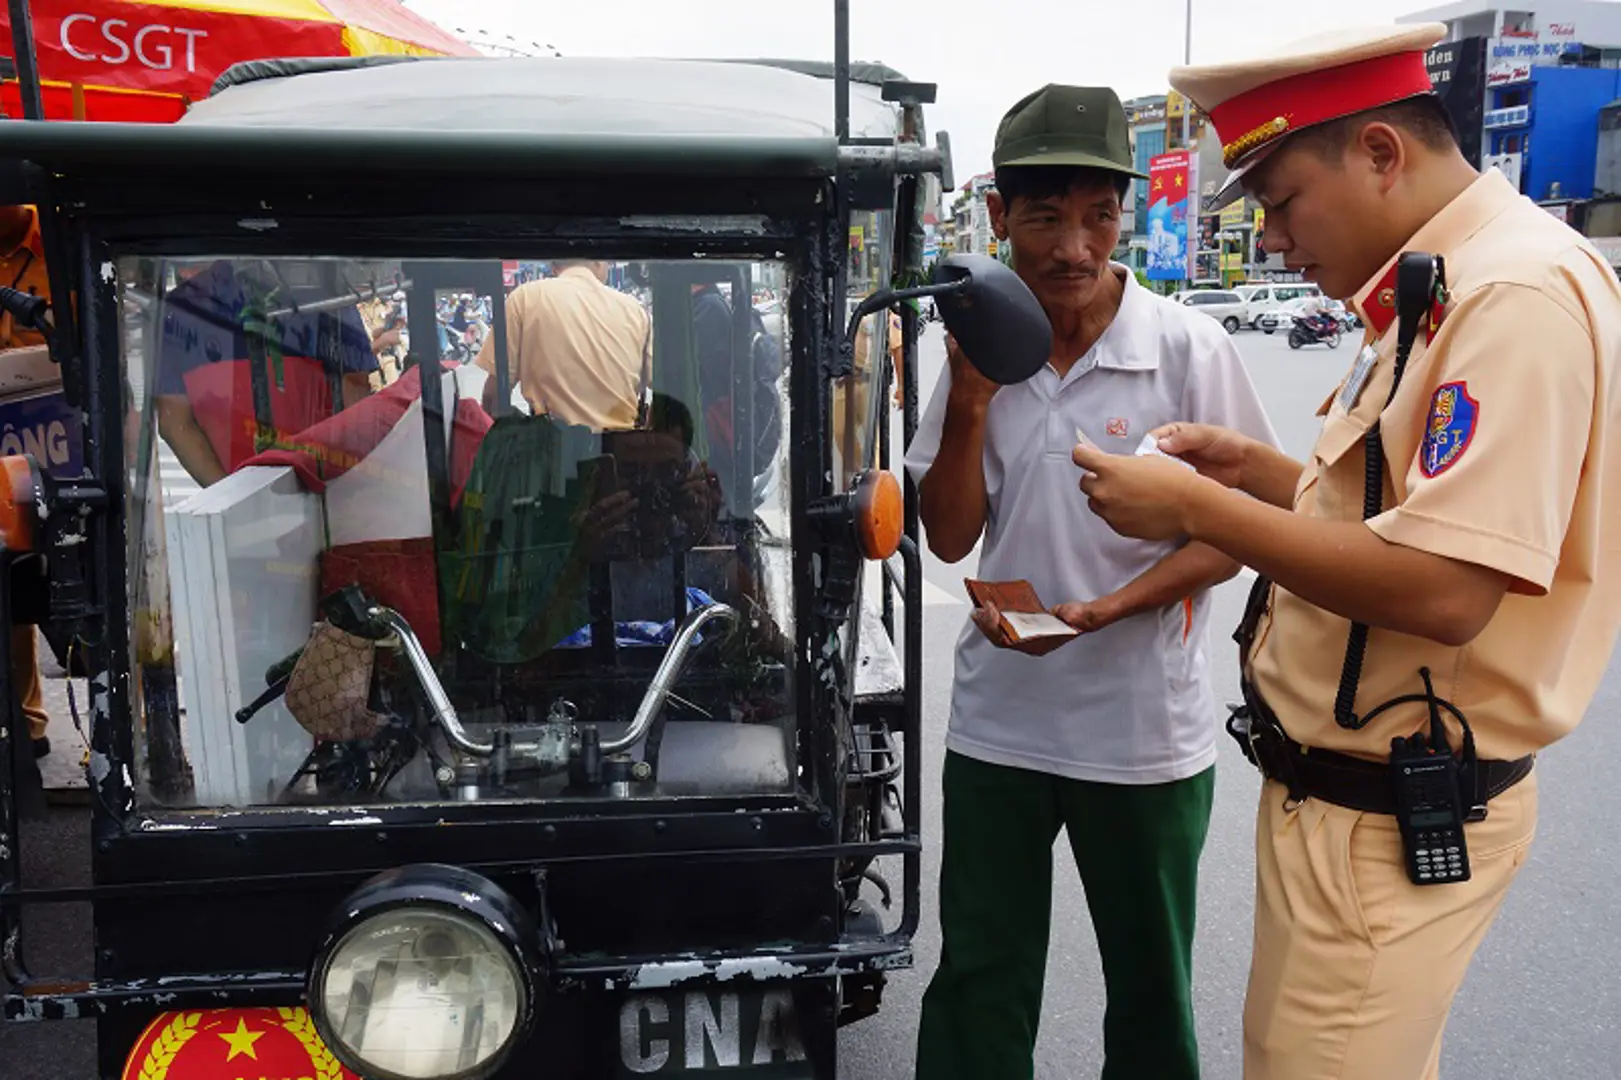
column 154, row 855
column 102, row 193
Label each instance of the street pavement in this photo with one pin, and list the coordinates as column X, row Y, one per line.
column 1542, row 1001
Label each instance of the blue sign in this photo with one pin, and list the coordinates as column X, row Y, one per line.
column 45, row 427
column 1511, row 117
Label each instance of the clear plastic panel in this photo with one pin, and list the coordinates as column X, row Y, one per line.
column 345, row 593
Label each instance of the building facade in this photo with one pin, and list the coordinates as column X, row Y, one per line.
column 1146, row 116
column 1544, row 75
column 1542, row 128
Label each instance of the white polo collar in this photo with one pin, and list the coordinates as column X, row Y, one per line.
column 1132, row 341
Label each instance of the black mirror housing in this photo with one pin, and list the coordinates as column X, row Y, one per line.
column 995, row 318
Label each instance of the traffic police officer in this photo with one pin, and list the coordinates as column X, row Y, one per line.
column 1472, row 568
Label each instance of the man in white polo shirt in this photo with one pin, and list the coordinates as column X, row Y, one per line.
column 1110, row 736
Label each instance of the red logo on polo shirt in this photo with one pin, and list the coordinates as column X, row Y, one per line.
column 1117, row 427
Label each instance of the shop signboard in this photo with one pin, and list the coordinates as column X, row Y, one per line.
column 1141, row 115
column 1508, row 72
column 1170, row 255
column 1458, row 74
column 1527, row 47
column 1233, row 215
column 1510, row 117
column 46, row 427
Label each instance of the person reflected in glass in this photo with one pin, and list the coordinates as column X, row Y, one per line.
column 577, row 350
column 218, row 317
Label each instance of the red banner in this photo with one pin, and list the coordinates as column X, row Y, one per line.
column 112, row 43
column 1168, row 178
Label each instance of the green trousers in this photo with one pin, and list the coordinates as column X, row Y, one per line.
column 1137, row 848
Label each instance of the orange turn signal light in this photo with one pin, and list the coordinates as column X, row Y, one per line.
column 19, row 503
column 879, row 513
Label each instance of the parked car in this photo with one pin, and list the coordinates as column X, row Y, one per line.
column 1224, row 306
column 1264, row 297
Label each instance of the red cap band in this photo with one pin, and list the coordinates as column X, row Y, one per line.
column 1266, row 113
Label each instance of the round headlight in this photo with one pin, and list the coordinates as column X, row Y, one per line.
column 429, row 976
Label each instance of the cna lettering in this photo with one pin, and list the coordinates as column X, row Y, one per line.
column 152, row 45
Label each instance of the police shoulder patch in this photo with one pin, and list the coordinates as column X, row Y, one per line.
column 1449, row 428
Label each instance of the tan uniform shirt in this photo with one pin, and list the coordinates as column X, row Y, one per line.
column 1498, row 453
column 576, row 349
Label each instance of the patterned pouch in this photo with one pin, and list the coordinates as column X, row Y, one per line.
column 329, row 691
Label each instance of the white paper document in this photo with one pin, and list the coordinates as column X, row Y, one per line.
column 1035, row 624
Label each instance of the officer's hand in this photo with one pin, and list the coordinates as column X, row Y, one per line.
column 1141, row 497
column 989, row 621
column 1217, row 452
column 968, row 386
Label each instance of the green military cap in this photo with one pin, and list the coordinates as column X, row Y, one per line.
column 1066, row 125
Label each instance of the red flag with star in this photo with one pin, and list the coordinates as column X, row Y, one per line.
column 1168, row 178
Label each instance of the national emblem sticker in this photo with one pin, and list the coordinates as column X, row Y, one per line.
column 225, row 1044
column 1449, row 429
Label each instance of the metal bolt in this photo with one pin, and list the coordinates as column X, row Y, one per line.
column 549, row 832
column 104, row 846
column 445, row 775
column 660, row 826
column 108, row 958
column 825, row 821
column 382, row 838
column 756, row 824
column 241, row 839
column 641, row 771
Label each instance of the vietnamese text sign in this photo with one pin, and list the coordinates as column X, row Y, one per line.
column 1510, row 117
column 47, row 428
column 1508, row 72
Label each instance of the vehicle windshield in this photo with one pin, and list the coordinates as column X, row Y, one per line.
column 361, row 574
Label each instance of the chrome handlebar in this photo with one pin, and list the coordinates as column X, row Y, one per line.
column 658, row 690
column 669, row 670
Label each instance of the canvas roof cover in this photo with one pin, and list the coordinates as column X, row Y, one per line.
column 562, row 95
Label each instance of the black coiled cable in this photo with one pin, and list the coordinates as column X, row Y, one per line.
column 1416, row 278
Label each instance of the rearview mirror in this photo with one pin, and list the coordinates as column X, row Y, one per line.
column 988, row 308
column 995, row 317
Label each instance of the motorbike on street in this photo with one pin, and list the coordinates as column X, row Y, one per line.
column 1313, row 332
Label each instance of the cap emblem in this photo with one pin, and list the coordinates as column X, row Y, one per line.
column 1257, row 136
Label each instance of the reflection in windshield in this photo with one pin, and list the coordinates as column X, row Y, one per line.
column 389, row 584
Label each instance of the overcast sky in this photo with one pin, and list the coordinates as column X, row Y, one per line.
column 983, row 55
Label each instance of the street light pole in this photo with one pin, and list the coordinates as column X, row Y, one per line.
column 1187, row 58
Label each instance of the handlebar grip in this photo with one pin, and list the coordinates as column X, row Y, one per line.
column 27, row 308
column 275, row 690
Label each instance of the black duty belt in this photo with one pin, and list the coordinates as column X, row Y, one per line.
column 1314, row 773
